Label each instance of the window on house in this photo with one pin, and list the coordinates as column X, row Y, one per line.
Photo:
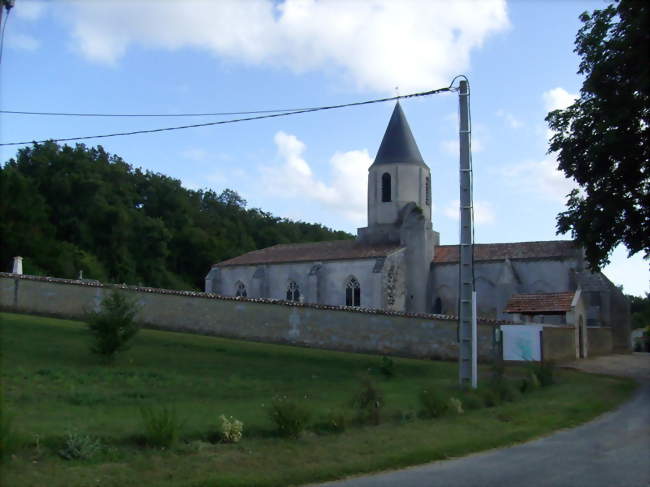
column 427, row 190
column 293, row 291
column 240, row 289
column 352, row 292
column 385, row 187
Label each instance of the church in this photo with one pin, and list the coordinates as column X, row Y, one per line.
column 396, row 263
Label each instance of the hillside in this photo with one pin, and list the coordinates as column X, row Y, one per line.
column 69, row 209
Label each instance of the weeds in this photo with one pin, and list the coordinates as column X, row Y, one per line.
column 162, row 426
column 433, row 403
column 369, row 402
column 229, row 429
column 290, row 417
column 331, row 422
column 78, row 446
column 387, row 367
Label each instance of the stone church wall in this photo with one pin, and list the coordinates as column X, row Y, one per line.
column 356, row 330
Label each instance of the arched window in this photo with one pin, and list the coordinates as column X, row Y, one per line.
column 427, row 190
column 385, row 187
column 437, row 307
column 352, row 292
column 240, row 289
column 293, row 292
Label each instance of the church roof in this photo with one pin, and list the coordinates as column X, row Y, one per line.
column 307, row 252
column 447, row 254
column 542, row 303
column 398, row 144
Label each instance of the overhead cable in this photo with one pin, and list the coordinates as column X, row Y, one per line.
column 246, row 119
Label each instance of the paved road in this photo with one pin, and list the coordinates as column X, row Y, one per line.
column 611, row 451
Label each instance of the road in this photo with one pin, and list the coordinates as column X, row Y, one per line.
column 611, row 451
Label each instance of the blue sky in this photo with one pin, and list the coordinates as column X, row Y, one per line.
column 185, row 57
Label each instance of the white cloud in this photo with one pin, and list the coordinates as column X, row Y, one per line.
column 541, row 178
column 510, row 119
column 558, row 99
column 29, row 10
column 23, row 41
column 376, row 44
column 346, row 193
column 483, row 212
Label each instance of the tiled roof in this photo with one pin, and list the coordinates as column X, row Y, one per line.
column 317, row 251
column 540, row 303
column 446, row 254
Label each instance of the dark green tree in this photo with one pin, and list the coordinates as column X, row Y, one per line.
column 602, row 139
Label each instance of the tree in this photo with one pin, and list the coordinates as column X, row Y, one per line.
column 113, row 326
column 602, row 139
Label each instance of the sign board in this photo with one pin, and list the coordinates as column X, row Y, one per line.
column 522, row 342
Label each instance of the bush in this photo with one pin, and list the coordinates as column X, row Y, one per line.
column 433, row 403
column 545, row 372
column 78, row 446
column 290, row 417
column 369, row 402
column 455, row 405
column 530, row 383
column 331, row 422
column 491, row 397
column 472, row 400
column 230, row 430
column 162, row 426
column 507, row 391
column 7, row 435
column 387, row 367
column 113, row 326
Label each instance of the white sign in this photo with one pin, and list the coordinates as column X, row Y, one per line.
column 522, row 342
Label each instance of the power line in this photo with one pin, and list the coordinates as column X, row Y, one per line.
column 246, row 119
column 67, row 114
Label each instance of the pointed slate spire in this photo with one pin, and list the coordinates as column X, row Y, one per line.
column 398, row 144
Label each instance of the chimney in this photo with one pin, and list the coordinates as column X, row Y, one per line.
column 18, row 265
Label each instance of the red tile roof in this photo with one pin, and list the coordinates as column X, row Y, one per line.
column 305, row 252
column 447, row 254
column 540, row 303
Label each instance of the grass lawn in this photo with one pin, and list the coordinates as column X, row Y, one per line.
column 51, row 385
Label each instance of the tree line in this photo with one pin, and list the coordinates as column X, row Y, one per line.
column 69, row 209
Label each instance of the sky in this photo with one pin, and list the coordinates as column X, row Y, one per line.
column 171, row 57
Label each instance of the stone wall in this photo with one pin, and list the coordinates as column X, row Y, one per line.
column 558, row 343
column 335, row 328
column 600, row 341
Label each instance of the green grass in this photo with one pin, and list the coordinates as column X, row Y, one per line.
column 51, row 385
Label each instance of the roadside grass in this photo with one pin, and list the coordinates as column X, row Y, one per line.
column 51, row 384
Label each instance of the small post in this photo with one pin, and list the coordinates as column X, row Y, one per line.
column 17, row 266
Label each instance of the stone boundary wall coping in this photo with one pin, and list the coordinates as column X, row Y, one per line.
column 197, row 294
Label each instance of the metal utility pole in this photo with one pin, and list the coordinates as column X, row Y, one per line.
column 467, row 296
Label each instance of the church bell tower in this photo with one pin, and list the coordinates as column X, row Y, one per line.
column 399, row 207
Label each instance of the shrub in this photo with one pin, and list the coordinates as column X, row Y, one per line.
column 331, row 422
column 161, row 426
column 290, row 417
column 506, row 391
column 230, row 430
column 530, row 383
column 387, row 367
column 369, row 402
column 491, row 397
column 545, row 372
column 78, row 446
column 7, row 435
column 433, row 403
column 113, row 326
column 455, row 405
column 472, row 400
